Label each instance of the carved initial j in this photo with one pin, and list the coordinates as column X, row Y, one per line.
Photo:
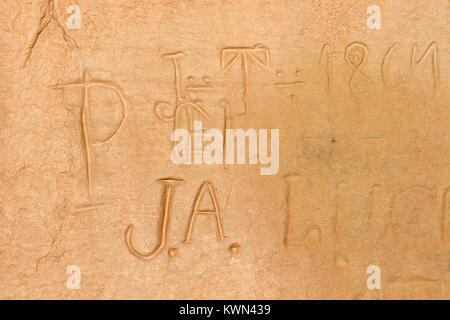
column 167, row 197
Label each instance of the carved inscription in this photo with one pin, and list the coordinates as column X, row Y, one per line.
column 86, row 84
